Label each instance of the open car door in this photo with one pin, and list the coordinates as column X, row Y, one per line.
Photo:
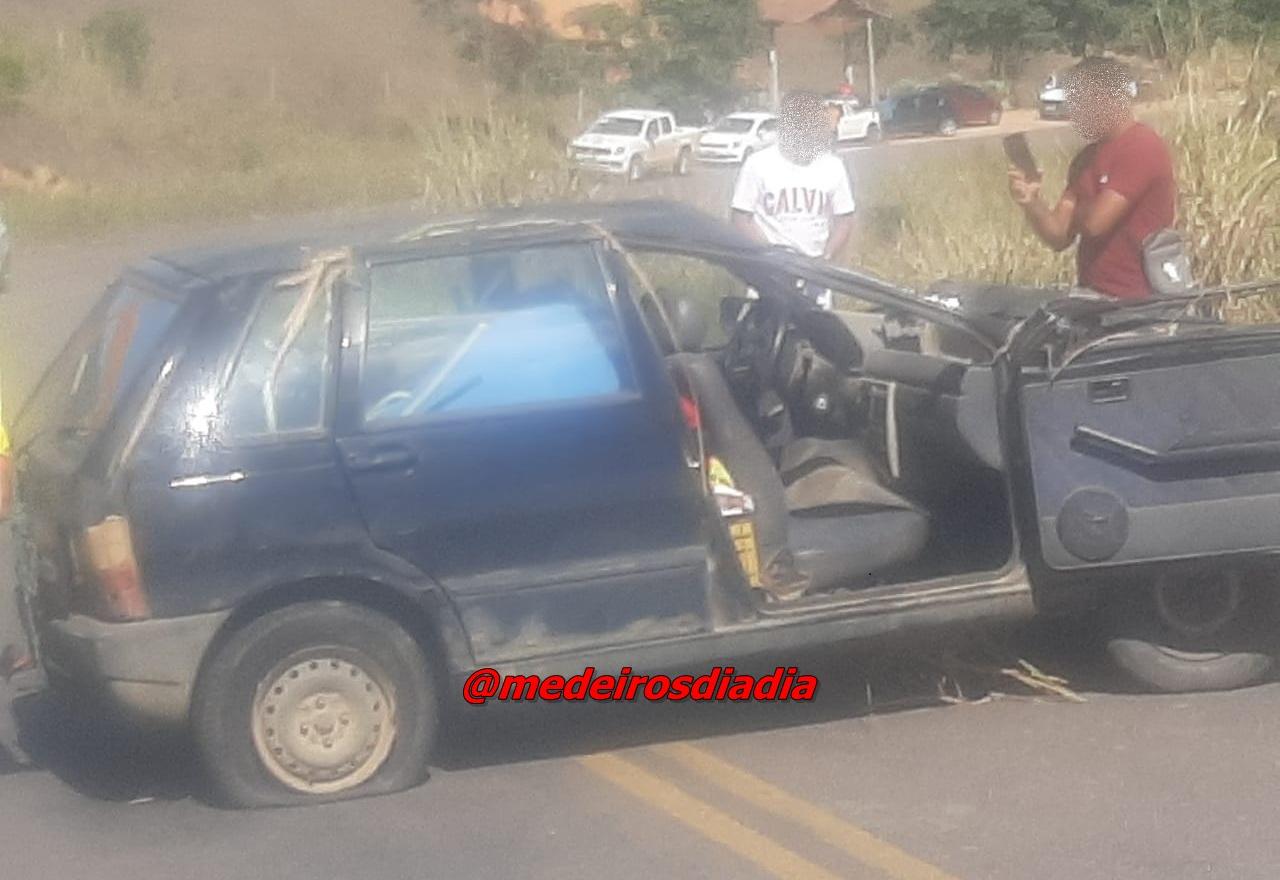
column 1152, row 443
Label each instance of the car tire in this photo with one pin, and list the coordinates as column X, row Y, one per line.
column 874, row 134
column 635, row 170
column 315, row 702
column 682, row 163
column 1231, row 647
column 995, row 117
column 948, row 127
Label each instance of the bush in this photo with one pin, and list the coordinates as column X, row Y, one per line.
column 120, row 40
column 14, row 81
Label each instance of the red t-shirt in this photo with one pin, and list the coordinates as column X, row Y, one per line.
column 1135, row 164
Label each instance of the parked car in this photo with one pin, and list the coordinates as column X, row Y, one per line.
column 291, row 496
column 633, row 142
column 856, row 123
column 1053, row 97
column 737, row 136
column 942, row 110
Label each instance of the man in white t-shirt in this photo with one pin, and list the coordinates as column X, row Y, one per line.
column 797, row 194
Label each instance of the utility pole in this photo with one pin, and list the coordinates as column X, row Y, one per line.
column 775, row 76
column 873, row 98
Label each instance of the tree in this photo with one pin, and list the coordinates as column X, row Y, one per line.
column 690, row 50
column 1006, row 30
column 120, row 40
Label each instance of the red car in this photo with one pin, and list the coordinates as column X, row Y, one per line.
column 972, row 105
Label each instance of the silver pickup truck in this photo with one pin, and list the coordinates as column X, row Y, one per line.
column 633, row 142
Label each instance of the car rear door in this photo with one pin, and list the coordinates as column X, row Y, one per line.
column 505, row 432
column 1156, row 449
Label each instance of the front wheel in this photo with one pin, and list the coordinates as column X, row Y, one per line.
column 948, row 127
column 635, row 170
column 682, row 163
column 315, row 702
column 1195, row 631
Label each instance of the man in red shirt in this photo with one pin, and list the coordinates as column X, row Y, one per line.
column 1120, row 187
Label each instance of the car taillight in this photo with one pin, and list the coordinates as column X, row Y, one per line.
column 108, row 555
column 6, row 487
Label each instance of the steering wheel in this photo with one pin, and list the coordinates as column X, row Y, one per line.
column 754, row 347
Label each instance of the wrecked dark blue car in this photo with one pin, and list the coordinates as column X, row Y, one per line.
column 291, row 496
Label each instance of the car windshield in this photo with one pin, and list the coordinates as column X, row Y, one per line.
column 99, row 365
column 734, row 125
column 618, row 125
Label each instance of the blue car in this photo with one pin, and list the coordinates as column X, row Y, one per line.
column 292, row 496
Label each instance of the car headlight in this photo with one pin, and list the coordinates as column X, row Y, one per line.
column 618, row 151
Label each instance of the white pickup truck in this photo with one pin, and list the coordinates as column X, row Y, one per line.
column 633, row 142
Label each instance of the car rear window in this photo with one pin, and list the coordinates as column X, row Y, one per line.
column 100, row 364
column 486, row 331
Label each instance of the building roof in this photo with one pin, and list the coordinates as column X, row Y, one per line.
column 802, row 11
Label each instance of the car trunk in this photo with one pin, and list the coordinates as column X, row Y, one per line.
column 1150, row 446
column 70, row 429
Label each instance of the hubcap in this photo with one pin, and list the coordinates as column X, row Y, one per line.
column 324, row 724
column 1199, row 606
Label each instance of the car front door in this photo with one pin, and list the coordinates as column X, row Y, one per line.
column 506, row 432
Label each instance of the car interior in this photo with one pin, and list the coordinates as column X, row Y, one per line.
column 866, row 441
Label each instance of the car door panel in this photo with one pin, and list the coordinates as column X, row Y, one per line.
column 1161, row 457
column 555, row 522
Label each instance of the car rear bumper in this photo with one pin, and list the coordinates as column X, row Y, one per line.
column 144, row 672
column 1053, row 110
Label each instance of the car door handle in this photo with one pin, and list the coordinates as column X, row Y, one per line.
column 382, row 458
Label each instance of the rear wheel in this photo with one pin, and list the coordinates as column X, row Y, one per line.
column 948, row 127
column 315, row 702
column 1200, row 630
column 682, row 162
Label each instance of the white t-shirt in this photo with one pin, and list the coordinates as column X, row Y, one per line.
column 794, row 204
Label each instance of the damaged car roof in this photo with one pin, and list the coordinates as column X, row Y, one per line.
column 650, row 221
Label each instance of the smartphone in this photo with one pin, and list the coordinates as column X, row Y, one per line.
column 1019, row 153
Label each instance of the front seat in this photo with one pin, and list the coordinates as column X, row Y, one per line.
column 841, row 526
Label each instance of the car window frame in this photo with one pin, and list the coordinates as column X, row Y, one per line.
column 329, row 402
column 351, row 419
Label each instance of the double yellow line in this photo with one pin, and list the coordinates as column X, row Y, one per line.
column 748, row 843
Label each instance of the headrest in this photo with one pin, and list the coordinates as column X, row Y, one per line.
column 688, row 320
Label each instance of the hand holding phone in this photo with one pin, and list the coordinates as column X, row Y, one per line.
column 1018, row 151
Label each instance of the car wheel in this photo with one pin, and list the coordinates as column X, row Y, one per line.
column 1195, row 631
column 947, row 127
column 635, row 170
column 314, row 702
column 995, row 117
column 874, row 135
column 682, row 163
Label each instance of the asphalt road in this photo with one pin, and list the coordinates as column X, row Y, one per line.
column 863, row 783
column 1013, row 788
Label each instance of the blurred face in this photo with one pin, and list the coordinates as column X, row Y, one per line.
column 1097, row 105
column 805, row 128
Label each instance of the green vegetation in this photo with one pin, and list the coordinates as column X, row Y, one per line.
column 120, row 40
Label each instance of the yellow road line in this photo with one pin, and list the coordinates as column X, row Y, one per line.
column 861, row 844
column 705, row 819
